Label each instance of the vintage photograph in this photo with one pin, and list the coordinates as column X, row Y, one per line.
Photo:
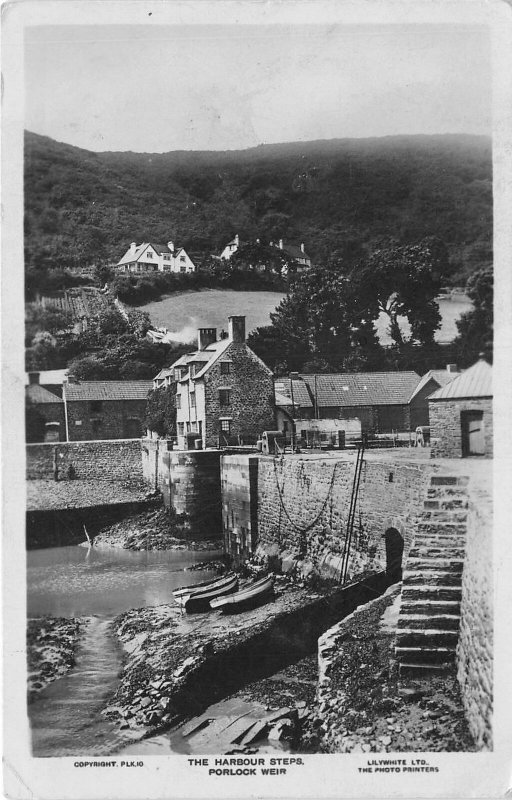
column 258, row 380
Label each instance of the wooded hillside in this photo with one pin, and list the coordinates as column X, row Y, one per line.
column 84, row 207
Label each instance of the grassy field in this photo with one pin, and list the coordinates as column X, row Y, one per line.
column 184, row 313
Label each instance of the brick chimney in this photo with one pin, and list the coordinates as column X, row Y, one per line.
column 33, row 378
column 452, row 368
column 236, row 328
column 170, row 245
column 133, row 247
column 205, row 337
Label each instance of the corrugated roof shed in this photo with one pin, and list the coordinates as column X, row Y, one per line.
column 107, row 390
column 474, row 382
column 38, row 394
column 363, row 388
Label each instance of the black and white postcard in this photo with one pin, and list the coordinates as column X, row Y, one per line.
column 257, row 383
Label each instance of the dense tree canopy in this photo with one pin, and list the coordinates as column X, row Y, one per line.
column 327, row 321
column 476, row 326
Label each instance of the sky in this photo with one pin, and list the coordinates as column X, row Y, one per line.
column 198, row 87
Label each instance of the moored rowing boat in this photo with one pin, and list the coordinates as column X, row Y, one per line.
column 246, row 598
column 181, row 591
column 200, row 600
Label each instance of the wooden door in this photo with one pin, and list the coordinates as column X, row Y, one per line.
column 473, row 440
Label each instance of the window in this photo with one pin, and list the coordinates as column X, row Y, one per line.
column 192, row 399
column 167, row 257
column 224, row 397
column 181, row 428
column 183, row 269
column 225, row 367
column 182, row 259
column 178, row 401
column 177, row 374
column 78, row 422
column 96, row 406
column 225, row 426
column 149, row 255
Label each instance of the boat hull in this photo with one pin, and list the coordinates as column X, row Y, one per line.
column 188, row 591
column 200, row 601
column 246, row 599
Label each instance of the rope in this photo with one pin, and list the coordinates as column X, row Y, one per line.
column 306, row 528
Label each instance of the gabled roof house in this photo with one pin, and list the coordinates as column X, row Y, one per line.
column 224, row 392
column 151, row 257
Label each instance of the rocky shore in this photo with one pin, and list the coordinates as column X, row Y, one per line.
column 51, row 644
column 363, row 704
column 151, row 530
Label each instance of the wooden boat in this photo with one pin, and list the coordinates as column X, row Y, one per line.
column 198, row 587
column 246, row 598
column 200, row 600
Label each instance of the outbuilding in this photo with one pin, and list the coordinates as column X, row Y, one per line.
column 460, row 415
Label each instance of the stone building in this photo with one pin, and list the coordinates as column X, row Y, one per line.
column 460, row 414
column 433, row 380
column 45, row 417
column 105, row 409
column 224, row 392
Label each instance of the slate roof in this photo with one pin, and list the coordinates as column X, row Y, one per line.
column 294, row 251
column 363, row 388
column 441, row 377
column 474, row 382
column 301, row 396
column 107, row 390
column 38, row 394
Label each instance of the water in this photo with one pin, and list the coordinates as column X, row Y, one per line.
column 99, row 584
column 80, row 581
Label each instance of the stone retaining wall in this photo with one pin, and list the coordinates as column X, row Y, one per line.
column 475, row 647
column 303, row 507
column 114, row 460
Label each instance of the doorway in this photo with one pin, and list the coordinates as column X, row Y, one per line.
column 394, row 552
column 473, row 440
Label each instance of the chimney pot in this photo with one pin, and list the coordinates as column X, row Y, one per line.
column 237, row 240
column 236, row 327
column 170, row 245
column 133, row 247
column 452, row 368
column 302, row 247
column 33, row 378
column 205, row 337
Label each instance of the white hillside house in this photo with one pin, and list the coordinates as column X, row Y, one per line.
column 149, row 257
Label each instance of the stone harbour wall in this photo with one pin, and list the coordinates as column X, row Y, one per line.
column 155, row 462
column 475, row 647
column 113, row 460
column 303, row 506
column 239, row 486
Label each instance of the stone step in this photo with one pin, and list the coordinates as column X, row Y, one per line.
column 438, row 563
column 446, row 504
column 434, row 607
column 410, row 670
column 449, row 480
column 437, row 592
column 446, row 492
column 431, row 551
column 426, row 638
column 425, row 655
column 442, row 622
column 441, row 528
column 444, row 515
column 433, row 578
